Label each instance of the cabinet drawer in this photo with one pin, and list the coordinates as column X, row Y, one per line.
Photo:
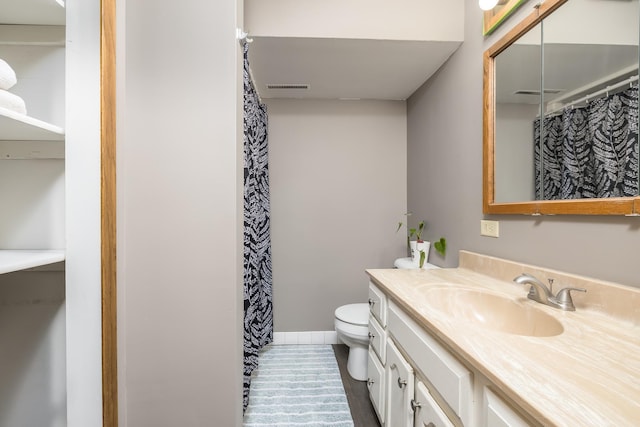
column 375, row 384
column 497, row 413
column 378, row 304
column 450, row 378
column 378, row 339
column 428, row 413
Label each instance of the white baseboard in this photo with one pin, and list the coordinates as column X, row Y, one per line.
column 305, row 337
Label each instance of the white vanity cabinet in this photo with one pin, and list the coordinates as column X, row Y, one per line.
column 394, row 388
column 418, row 382
column 376, row 380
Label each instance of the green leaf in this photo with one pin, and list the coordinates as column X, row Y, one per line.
column 399, row 226
column 420, row 229
column 423, row 255
column 441, row 246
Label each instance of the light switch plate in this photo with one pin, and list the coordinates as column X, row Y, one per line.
column 489, row 228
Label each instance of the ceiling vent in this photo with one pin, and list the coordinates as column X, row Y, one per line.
column 536, row 92
column 288, row 86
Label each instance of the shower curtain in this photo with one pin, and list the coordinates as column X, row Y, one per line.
column 258, row 316
column 591, row 151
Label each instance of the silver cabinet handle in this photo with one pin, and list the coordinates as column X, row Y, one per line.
column 401, row 382
column 430, row 425
column 371, row 336
column 370, row 382
column 371, row 302
column 415, row 405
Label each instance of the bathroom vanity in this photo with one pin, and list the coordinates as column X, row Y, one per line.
column 465, row 346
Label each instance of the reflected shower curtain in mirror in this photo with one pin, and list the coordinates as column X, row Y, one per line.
column 591, row 151
column 258, row 316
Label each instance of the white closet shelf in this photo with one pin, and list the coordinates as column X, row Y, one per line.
column 16, row 260
column 18, row 127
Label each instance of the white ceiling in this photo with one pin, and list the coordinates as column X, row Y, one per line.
column 344, row 68
column 333, row 68
column 34, row 12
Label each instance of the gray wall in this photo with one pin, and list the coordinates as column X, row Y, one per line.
column 179, row 214
column 445, row 180
column 338, row 190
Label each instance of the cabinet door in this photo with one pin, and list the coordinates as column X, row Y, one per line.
column 399, row 378
column 375, row 384
column 427, row 411
column 498, row 413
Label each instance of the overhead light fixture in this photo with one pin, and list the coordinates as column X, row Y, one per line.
column 487, row 4
column 60, row 2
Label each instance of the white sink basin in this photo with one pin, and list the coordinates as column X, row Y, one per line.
column 491, row 311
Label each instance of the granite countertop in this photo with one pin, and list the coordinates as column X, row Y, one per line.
column 589, row 375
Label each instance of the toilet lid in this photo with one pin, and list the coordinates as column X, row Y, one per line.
column 356, row 314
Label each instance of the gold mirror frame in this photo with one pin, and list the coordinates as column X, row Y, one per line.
column 629, row 206
column 496, row 16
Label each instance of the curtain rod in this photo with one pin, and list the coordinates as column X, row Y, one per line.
column 242, row 36
column 595, row 94
column 599, row 83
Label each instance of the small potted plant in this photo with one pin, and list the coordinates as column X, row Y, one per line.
column 418, row 249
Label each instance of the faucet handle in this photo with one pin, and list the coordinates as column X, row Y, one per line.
column 564, row 298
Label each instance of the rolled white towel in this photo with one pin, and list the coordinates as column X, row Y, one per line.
column 12, row 102
column 7, row 75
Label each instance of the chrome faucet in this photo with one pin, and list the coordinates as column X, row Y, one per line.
column 540, row 293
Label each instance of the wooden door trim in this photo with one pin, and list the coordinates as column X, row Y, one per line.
column 108, row 212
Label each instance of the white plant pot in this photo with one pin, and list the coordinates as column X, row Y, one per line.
column 416, row 248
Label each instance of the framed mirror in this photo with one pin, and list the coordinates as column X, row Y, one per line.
column 560, row 129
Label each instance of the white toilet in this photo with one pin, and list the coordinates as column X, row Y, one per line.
column 352, row 327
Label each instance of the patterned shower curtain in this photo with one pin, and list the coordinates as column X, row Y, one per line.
column 258, row 316
column 590, row 152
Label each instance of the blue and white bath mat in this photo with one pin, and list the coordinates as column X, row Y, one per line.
column 297, row 385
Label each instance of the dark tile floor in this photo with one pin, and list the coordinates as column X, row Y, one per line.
column 357, row 393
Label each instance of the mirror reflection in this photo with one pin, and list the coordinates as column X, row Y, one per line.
column 517, row 73
column 579, row 73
